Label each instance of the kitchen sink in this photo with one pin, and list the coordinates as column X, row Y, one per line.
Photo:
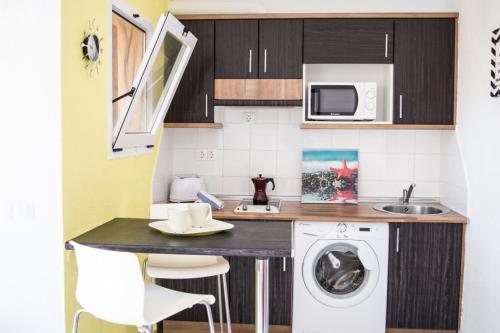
column 411, row 209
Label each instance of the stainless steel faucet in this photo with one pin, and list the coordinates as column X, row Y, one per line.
column 407, row 194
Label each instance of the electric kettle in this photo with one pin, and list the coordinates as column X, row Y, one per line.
column 260, row 183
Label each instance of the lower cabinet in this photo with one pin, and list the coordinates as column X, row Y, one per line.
column 241, row 286
column 424, row 276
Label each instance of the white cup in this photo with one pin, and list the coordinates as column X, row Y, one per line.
column 201, row 214
column 179, row 220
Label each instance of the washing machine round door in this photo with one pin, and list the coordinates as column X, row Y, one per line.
column 340, row 273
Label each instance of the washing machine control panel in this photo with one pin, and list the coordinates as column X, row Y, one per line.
column 342, row 230
column 341, row 227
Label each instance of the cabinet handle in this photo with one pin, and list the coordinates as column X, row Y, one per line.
column 397, row 240
column 250, row 61
column 206, row 105
column 265, row 60
column 386, row 45
column 400, row 106
column 284, row 264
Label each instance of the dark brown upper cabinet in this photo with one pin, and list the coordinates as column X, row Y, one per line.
column 424, row 62
column 252, row 49
column 424, row 276
column 348, row 41
column 193, row 101
column 280, row 49
column 237, row 49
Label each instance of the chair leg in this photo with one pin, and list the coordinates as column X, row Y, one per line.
column 144, row 268
column 209, row 315
column 219, row 300
column 76, row 319
column 226, row 301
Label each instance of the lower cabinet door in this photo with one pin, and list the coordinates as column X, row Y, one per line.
column 241, row 289
column 424, row 276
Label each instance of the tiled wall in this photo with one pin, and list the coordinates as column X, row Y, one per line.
column 453, row 187
column 272, row 145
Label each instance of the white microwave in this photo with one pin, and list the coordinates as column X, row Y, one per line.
column 331, row 101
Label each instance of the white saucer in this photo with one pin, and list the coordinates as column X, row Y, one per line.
column 213, row 227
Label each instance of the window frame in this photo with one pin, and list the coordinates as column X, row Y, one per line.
column 167, row 25
column 127, row 12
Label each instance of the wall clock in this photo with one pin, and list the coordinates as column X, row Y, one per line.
column 92, row 49
column 495, row 63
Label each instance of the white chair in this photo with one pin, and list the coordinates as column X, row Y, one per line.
column 176, row 267
column 110, row 287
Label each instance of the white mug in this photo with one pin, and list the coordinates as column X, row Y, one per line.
column 201, row 214
column 179, row 220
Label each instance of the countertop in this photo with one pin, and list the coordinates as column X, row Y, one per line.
column 270, row 239
column 362, row 212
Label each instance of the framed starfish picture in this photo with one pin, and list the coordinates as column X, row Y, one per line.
column 330, row 176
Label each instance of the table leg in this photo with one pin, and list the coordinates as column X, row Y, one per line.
column 262, row 295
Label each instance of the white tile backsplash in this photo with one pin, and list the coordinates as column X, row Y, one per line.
column 427, row 142
column 210, row 139
column 317, row 139
column 290, row 137
column 389, row 159
column 400, row 142
column 263, row 162
column 236, row 163
column 427, row 167
column 372, row 141
column 289, row 164
column 235, row 186
column 264, row 137
column 236, row 136
column 345, row 139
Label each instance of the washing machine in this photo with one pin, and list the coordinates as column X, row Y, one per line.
column 340, row 277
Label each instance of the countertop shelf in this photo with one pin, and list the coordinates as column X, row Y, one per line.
column 374, row 126
column 363, row 212
column 192, row 125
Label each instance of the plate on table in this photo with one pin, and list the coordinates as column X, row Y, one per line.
column 213, row 227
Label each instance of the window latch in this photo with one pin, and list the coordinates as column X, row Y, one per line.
column 130, row 94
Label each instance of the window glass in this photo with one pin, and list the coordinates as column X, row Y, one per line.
column 154, row 93
column 128, row 50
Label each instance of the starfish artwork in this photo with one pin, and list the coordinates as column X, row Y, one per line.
column 330, row 176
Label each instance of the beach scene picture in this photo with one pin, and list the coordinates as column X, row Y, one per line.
column 330, row 176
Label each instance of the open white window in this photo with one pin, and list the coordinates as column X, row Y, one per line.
column 139, row 110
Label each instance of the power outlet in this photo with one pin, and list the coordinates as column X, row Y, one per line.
column 201, row 155
column 211, row 155
column 249, row 117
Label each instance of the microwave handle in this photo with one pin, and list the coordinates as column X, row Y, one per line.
column 315, row 100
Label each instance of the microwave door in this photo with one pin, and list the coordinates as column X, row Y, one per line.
column 334, row 102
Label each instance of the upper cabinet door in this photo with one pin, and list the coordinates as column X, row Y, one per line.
column 193, row 101
column 424, row 62
column 348, row 41
column 280, row 49
column 236, row 49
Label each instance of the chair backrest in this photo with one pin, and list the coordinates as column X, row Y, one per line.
column 110, row 285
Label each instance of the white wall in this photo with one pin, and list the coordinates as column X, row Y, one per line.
column 478, row 137
column 316, row 6
column 272, row 145
column 31, row 242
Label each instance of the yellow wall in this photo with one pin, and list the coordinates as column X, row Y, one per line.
column 95, row 189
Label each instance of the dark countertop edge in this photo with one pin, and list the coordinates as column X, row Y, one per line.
column 175, row 250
